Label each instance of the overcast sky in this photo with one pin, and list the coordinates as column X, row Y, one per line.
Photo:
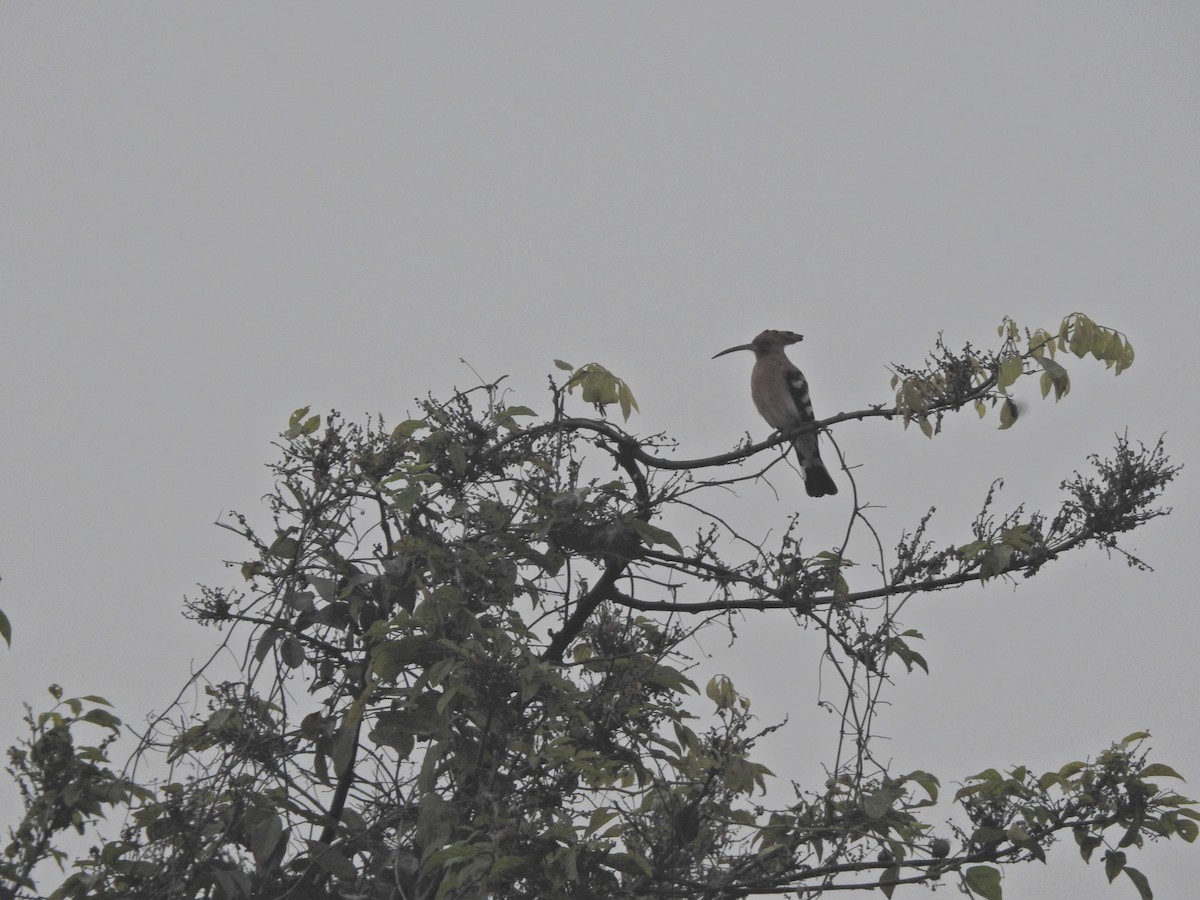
column 214, row 213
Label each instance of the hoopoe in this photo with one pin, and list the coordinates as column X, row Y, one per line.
column 780, row 395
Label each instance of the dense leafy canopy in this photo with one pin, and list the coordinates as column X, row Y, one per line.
column 465, row 673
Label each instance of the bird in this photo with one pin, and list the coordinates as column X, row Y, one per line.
column 780, row 394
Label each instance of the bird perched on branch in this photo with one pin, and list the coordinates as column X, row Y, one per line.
column 780, row 395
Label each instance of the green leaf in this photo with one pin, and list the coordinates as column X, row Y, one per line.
column 298, row 425
column 1114, row 862
column 630, row 863
column 332, row 861
column 598, row 385
column 1008, row 415
column 877, row 804
column 907, row 655
column 1039, row 343
column 344, row 744
column 1160, row 770
column 283, row 547
column 385, row 734
column 103, row 718
column 1082, row 336
column 1072, row 768
column 264, row 837
column 973, row 549
column 625, row 395
column 987, row 775
column 1017, row 834
column 405, row 499
column 1010, row 370
column 995, row 561
column 265, row 643
column 1054, row 376
column 291, row 651
column 926, row 780
column 5, row 628
column 672, row 679
column 1088, row 843
column 1125, row 360
column 984, row 881
column 1140, row 882
column 565, row 366
column 326, row 588
column 1018, row 536
column 300, row 601
column 1063, row 331
column 1107, row 346
column 599, row 817
column 888, row 879
column 981, row 408
column 652, row 534
column 504, row 417
column 406, row 428
column 582, row 652
column 601, row 388
column 720, row 691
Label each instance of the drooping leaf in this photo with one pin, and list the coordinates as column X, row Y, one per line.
column 103, row 718
column 926, row 780
column 1008, row 414
column 1054, row 376
column 291, row 652
column 1126, row 359
column 264, row 837
column 1114, row 862
column 984, row 881
column 888, row 879
column 1140, row 882
column 1010, row 370
column 720, row 691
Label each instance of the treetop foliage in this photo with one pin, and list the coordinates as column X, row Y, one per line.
column 464, row 672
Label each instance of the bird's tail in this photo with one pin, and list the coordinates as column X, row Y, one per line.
column 817, row 480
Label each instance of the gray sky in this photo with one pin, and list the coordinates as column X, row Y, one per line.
column 215, row 213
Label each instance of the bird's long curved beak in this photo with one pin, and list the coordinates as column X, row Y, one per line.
column 732, row 349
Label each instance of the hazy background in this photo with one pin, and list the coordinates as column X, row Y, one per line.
column 215, row 213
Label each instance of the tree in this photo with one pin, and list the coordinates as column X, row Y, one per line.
column 465, row 672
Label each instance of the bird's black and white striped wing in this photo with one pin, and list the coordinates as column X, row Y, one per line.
column 798, row 386
column 816, row 477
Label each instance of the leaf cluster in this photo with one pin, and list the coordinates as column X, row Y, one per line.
column 984, row 379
